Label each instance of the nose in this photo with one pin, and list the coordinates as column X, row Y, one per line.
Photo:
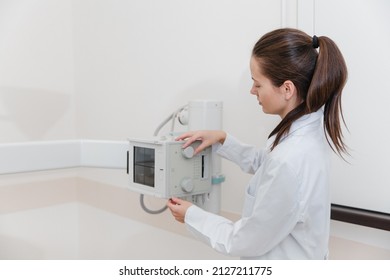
column 253, row 90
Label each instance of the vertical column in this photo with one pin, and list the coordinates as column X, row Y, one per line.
column 306, row 16
column 207, row 115
column 289, row 13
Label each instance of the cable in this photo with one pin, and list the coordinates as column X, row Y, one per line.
column 166, row 120
column 161, row 125
column 175, row 115
column 147, row 210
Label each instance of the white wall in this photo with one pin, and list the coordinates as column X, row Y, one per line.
column 36, row 70
column 113, row 69
column 365, row 182
column 138, row 61
column 102, row 69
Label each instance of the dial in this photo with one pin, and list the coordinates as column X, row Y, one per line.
column 188, row 152
column 187, row 185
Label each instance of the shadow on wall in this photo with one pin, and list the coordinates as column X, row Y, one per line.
column 32, row 111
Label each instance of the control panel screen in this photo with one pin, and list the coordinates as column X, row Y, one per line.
column 144, row 162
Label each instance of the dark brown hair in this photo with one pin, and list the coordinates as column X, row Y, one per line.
column 319, row 77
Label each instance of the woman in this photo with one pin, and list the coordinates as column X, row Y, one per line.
column 286, row 211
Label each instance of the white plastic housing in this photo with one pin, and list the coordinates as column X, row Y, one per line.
column 207, row 115
column 163, row 169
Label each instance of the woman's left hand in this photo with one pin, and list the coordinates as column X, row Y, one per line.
column 178, row 208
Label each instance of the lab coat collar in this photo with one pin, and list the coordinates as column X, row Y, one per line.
column 301, row 125
column 307, row 121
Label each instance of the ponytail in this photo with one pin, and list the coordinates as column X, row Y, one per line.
column 329, row 78
column 319, row 77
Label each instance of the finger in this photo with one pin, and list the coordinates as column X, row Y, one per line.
column 169, row 205
column 177, row 215
column 201, row 147
column 191, row 140
column 184, row 135
column 172, row 206
column 176, row 201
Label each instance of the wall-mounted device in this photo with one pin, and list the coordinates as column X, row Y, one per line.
column 162, row 168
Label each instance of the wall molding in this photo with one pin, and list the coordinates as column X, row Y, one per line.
column 306, row 16
column 48, row 155
column 362, row 217
column 289, row 13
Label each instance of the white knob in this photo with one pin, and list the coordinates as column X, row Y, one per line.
column 188, row 152
column 187, row 185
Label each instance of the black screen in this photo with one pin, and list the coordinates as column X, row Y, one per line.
column 144, row 160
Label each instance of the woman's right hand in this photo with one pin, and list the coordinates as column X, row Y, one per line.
column 208, row 138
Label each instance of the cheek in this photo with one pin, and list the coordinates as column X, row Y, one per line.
column 262, row 96
column 268, row 100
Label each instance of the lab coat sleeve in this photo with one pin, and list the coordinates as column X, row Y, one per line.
column 273, row 213
column 247, row 157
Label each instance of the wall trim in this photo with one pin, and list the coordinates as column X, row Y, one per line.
column 360, row 216
column 47, row 155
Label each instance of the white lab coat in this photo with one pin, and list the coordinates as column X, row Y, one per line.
column 286, row 212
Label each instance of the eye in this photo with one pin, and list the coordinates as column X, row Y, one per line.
column 256, row 83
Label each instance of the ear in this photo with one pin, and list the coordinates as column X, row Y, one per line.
column 289, row 90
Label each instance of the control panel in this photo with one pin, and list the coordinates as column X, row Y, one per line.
column 164, row 169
